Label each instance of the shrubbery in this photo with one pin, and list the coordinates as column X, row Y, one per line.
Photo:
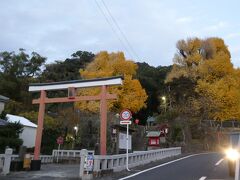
column 9, row 136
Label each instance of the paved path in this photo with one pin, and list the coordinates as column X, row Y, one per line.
column 49, row 171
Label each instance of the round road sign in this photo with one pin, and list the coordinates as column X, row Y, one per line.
column 60, row 140
column 125, row 115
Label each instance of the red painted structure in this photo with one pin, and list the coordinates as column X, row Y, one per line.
column 153, row 141
column 154, row 136
column 71, row 86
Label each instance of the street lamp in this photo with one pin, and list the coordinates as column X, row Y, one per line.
column 76, row 130
column 164, row 99
column 75, row 137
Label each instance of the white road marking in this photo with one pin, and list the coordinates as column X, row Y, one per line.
column 219, row 162
column 164, row 164
column 202, row 178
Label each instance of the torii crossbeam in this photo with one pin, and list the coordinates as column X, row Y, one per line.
column 72, row 86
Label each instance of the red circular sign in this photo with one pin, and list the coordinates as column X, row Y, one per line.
column 60, row 140
column 125, row 115
column 136, row 121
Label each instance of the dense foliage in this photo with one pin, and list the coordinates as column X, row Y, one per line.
column 131, row 95
column 212, row 83
column 17, row 70
column 68, row 69
column 9, row 136
column 152, row 80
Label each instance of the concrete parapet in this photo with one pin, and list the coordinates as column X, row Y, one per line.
column 118, row 162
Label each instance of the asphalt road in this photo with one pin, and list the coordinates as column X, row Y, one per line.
column 197, row 167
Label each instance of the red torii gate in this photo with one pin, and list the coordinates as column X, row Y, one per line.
column 72, row 86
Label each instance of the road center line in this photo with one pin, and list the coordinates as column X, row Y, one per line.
column 219, row 162
column 202, row 178
column 164, row 164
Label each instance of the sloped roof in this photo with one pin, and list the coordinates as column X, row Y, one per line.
column 22, row 120
column 3, row 98
column 153, row 133
column 151, row 119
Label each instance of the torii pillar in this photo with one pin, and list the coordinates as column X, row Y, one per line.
column 72, row 86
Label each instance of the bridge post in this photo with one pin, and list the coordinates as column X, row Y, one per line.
column 83, row 155
column 7, row 161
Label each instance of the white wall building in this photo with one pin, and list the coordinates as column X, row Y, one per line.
column 29, row 130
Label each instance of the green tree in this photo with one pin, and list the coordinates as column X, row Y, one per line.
column 152, row 80
column 17, row 70
column 68, row 69
column 9, row 136
column 64, row 71
column 52, row 129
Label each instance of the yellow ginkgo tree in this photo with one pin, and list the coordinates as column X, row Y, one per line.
column 207, row 63
column 131, row 95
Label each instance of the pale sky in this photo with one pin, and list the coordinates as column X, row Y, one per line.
column 57, row 28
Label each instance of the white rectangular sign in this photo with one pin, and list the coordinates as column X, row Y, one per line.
column 125, row 122
column 88, row 164
column 122, row 141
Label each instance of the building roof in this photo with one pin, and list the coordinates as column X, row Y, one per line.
column 21, row 120
column 151, row 119
column 3, row 98
column 153, row 133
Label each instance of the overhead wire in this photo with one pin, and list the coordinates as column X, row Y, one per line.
column 118, row 27
column 112, row 28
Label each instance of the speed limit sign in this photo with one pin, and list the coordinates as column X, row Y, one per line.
column 125, row 115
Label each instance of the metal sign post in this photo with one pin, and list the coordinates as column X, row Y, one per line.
column 59, row 141
column 58, row 151
column 125, row 116
column 127, row 149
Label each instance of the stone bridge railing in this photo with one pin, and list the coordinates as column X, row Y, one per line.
column 44, row 159
column 118, row 162
column 108, row 162
column 62, row 154
column 68, row 153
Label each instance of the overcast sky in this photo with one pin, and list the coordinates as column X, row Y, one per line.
column 57, row 28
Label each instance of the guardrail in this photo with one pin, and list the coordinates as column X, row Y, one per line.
column 109, row 162
column 44, row 159
column 118, row 162
column 66, row 153
column 13, row 157
column 2, row 157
